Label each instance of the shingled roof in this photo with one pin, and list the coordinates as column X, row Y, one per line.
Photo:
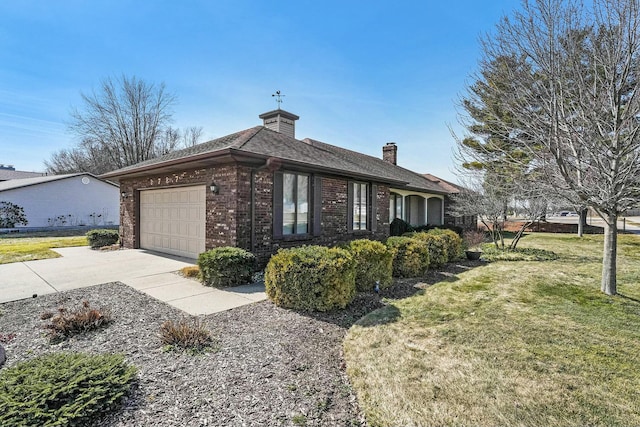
column 265, row 143
column 27, row 182
column 7, row 174
column 450, row 187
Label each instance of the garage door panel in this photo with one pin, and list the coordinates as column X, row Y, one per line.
column 172, row 220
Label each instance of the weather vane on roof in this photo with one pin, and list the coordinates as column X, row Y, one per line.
column 278, row 96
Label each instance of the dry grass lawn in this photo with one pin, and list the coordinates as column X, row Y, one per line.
column 18, row 249
column 508, row 343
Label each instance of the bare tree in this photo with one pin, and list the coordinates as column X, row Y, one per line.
column 119, row 125
column 125, row 122
column 571, row 90
column 191, row 136
column 489, row 200
column 125, row 118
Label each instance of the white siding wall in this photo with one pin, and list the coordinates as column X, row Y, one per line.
column 66, row 197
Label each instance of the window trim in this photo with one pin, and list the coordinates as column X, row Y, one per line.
column 314, row 199
column 370, row 206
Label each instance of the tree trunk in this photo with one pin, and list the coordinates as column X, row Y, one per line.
column 609, row 285
column 582, row 221
column 516, row 238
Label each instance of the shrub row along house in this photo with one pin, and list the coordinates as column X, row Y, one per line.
column 262, row 189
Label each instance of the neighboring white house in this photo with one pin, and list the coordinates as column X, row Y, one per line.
column 64, row 200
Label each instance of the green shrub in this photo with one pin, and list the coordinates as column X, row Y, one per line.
column 374, row 263
column 453, row 242
column 411, row 257
column 226, row 266
column 72, row 322
column 436, row 244
column 63, row 389
column 313, row 278
column 398, row 227
column 457, row 229
column 187, row 335
column 102, row 237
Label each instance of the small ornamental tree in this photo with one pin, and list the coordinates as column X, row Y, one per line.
column 11, row 215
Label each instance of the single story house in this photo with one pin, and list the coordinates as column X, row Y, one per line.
column 466, row 222
column 64, row 200
column 262, row 189
column 8, row 172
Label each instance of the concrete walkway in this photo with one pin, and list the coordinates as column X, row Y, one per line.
column 149, row 272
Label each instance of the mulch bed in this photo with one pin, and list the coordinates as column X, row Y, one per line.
column 271, row 367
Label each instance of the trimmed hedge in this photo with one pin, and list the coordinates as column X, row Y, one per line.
column 63, row 389
column 457, row 229
column 374, row 264
column 437, row 247
column 453, row 241
column 102, row 237
column 311, row 278
column 226, row 266
column 444, row 245
column 411, row 256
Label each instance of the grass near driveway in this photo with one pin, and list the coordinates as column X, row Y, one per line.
column 520, row 344
column 31, row 247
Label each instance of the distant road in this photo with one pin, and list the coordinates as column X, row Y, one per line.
column 630, row 224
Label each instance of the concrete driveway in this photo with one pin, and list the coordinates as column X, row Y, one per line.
column 148, row 272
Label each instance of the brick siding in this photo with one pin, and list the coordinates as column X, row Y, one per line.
column 229, row 213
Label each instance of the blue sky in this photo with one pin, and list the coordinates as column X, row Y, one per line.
column 358, row 73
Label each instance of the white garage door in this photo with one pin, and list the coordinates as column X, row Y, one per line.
column 172, row 220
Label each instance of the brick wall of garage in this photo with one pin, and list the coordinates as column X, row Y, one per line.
column 221, row 227
column 229, row 215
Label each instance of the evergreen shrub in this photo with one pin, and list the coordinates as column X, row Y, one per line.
column 436, row 246
column 226, row 266
column 411, row 257
column 374, row 263
column 63, row 389
column 102, row 237
column 311, row 278
column 399, row 226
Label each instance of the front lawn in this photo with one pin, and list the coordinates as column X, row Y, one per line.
column 18, row 249
column 508, row 343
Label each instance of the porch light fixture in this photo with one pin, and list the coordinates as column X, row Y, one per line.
column 124, row 194
column 214, row 188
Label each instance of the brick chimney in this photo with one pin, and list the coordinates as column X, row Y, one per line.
column 280, row 121
column 390, row 153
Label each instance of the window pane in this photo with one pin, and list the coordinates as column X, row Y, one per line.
column 302, row 226
column 360, row 205
column 356, row 206
column 288, row 203
column 398, row 206
column 392, row 206
column 363, row 206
